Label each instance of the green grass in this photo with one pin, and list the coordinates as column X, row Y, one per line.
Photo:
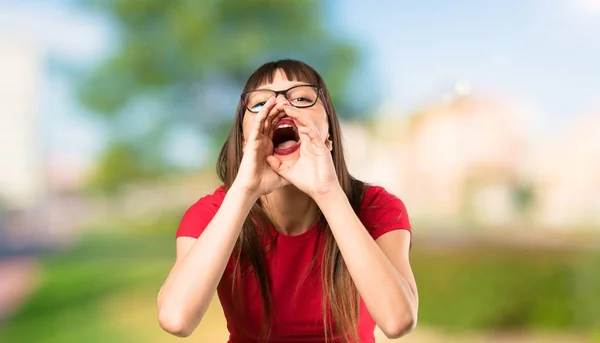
column 476, row 288
column 67, row 307
column 501, row 288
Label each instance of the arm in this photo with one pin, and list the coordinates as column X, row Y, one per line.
column 191, row 284
column 381, row 271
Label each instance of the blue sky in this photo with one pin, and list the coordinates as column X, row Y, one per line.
column 540, row 53
column 546, row 52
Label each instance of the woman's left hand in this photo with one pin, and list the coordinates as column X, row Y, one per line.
column 313, row 172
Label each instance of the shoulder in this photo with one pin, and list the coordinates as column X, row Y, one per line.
column 210, row 201
column 377, row 197
column 382, row 211
column 199, row 214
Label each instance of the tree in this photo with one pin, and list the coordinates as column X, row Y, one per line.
column 182, row 63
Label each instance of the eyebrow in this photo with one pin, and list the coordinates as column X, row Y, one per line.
column 273, row 90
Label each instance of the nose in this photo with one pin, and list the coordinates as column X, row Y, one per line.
column 280, row 98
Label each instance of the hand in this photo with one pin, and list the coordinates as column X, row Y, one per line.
column 313, row 172
column 255, row 176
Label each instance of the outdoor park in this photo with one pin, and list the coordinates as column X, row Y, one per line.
column 117, row 111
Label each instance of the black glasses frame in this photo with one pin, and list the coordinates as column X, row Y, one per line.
column 284, row 93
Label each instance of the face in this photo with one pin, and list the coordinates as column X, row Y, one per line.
column 315, row 113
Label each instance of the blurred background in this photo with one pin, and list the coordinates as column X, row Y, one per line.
column 483, row 116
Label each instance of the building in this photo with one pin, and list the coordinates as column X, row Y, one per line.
column 457, row 162
column 21, row 172
column 566, row 170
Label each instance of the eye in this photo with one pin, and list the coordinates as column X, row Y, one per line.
column 257, row 107
column 303, row 99
column 302, row 95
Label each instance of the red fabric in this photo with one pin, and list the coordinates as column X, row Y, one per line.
column 296, row 294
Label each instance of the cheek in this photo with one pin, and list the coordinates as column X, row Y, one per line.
column 246, row 127
column 324, row 130
column 322, row 123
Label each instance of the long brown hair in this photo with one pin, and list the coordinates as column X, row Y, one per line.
column 340, row 297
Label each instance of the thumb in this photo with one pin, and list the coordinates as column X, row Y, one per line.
column 278, row 166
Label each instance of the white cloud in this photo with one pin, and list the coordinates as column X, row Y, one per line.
column 73, row 36
column 589, row 6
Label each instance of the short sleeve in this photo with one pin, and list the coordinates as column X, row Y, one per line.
column 382, row 212
column 198, row 216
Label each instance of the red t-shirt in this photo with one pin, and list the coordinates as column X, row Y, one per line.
column 297, row 311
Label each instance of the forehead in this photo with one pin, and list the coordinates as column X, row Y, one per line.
column 279, row 81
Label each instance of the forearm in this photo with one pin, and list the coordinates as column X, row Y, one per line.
column 386, row 293
column 189, row 288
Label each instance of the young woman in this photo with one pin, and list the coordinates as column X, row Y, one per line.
column 296, row 248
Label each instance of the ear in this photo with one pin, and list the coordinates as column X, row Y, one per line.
column 329, row 143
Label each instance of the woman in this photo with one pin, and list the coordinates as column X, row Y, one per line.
column 297, row 249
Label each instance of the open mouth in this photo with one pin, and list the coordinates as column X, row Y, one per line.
column 285, row 137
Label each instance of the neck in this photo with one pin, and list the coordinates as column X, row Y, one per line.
column 291, row 211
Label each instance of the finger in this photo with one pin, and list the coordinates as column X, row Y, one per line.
column 306, row 127
column 274, row 112
column 267, row 111
column 278, row 166
column 275, row 115
column 281, row 113
column 308, row 132
column 301, row 118
column 274, row 122
column 259, row 120
column 310, row 136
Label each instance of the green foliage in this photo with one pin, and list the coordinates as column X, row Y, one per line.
column 118, row 164
column 493, row 288
column 122, row 163
column 183, row 62
column 524, row 197
column 486, row 287
column 68, row 306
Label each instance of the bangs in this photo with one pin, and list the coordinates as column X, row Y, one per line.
column 292, row 69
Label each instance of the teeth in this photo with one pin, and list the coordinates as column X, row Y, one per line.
column 282, row 126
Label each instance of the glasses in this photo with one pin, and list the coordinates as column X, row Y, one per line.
column 301, row 96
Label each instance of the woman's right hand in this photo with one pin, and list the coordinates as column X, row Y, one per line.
column 255, row 176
